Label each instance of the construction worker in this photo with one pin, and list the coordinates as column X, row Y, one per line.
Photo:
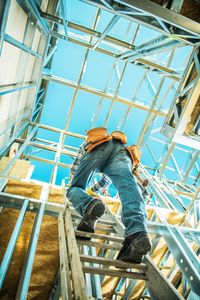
column 107, row 153
column 102, row 185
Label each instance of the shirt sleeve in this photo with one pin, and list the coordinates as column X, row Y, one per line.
column 102, row 184
column 76, row 162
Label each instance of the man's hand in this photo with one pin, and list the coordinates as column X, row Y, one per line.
column 91, row 193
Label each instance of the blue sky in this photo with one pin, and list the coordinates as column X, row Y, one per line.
column 100, row 73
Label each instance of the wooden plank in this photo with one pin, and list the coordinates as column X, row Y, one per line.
column 99, row 236
column 158, row 284
column 64, row 263
column 99, row 245
column 101, row 229
column 19, row 169
column 112, row 262
column 114, row 273
column 74, row 259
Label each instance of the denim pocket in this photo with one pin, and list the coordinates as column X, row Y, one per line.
column 123, row 156
column 98, row 153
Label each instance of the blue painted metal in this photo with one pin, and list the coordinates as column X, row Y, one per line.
column 12, row 123
column 129, row 290
column 28, row 265
column 95, row 279
column 20, row 151
column 49, row 56
column 108, row 28
column 21, row 46
column 3, row 182
column 63, row 6
column 11, row 140
column 184, row 255
column 16, row 202
column 11, row 245
column 3, row 21
column 16, row 87
column 32, row 7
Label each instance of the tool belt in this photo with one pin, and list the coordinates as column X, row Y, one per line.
column 119, row 135
column 134, row 154
column 96, row 137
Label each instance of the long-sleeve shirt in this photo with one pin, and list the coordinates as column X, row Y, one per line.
column 103, row 183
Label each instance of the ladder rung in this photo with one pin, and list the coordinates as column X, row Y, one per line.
column 100, row 221
column 99, row 236
column 112, row 262
column 114, row 273
column 106, row 222
column 99, row 228
column 98, row 245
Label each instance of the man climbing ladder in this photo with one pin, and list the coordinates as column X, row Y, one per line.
column 107, row 153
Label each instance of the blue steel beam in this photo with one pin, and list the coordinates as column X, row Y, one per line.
column 50, row 55
column 183, row 254
column 20, row 151
column 16, row 202
column 185, row 29
column 12, row 139
column 107, row 29
column 28, row 265
column 11, row 245
column 4, row 17
column 63, row 6
column 6, row 89
column 32, row 7
column 3, row 182
column 21, row 46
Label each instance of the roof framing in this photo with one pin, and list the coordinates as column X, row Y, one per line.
column 154, row 16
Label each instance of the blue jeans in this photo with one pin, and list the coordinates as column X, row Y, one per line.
column 112, row 159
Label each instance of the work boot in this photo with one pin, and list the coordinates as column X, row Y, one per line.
column 134, row 247
column 93, row 212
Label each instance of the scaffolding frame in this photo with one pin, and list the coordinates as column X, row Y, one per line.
column 165, row 194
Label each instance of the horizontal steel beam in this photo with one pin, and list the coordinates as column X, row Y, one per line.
column 139, row 61
column 33, row 9
column 94, row 91
column 16, row 202
column 183, row 254
column 51, row 128
column 4, row 11
column 11, row 88
column 21, row 46
column 47, row 147
column 19, row 152
column 154, row 16
column 13, row 138
column 47, row 161
column 12, row 243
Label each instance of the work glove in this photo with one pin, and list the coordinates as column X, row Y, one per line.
column 91, row 193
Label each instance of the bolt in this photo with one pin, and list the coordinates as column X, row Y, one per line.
column 186, row 269
column 191, row 278
column 181, row 261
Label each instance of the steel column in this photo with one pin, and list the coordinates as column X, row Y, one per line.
column 11, row 245
column 28, row 264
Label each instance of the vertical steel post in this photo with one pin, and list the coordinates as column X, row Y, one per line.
column 11, row 245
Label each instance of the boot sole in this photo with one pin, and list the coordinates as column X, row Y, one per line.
column 136, row 252
column 95, row 212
